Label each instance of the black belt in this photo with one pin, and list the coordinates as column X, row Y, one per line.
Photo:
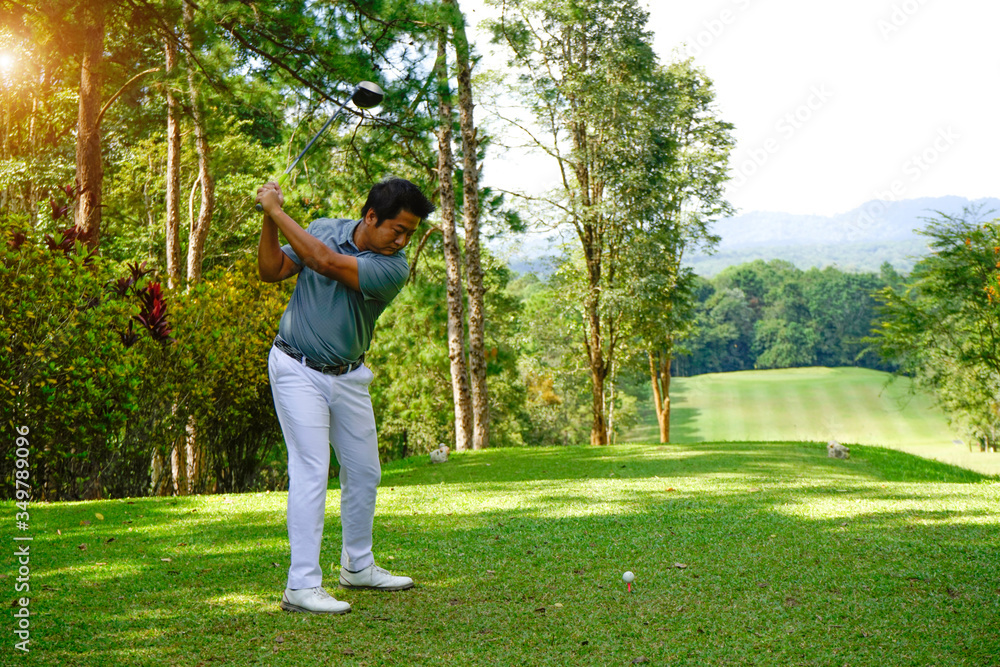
column 328, row 369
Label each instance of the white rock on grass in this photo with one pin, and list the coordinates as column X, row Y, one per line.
column 835, row 450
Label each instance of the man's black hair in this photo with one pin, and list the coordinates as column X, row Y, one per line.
column 393, row 195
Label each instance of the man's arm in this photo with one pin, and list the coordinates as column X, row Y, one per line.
column 273, row 265
column 313, row 252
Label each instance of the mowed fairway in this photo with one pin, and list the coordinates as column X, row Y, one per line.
column 850, row 405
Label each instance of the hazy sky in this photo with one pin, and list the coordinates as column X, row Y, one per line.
column 834, row 103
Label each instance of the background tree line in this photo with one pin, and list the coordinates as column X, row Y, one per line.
column 764, row 315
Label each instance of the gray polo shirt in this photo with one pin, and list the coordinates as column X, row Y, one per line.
column 330, row 322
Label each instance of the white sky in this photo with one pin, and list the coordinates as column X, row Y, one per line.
column 889, row 99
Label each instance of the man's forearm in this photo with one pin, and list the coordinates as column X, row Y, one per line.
column 315, row 254
column 269, row 254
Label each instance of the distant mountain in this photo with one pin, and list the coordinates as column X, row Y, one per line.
column 858, row 240
column 861, row 239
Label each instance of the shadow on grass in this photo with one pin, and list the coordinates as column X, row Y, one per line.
column 683, row 420
column 766, row 579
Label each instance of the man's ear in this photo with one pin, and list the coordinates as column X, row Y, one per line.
column 371, row 217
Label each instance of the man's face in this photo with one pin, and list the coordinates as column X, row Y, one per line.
column 392, row 235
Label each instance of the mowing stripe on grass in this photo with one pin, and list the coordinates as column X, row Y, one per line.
column 850, row 405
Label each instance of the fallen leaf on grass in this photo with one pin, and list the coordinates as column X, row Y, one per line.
column 167, row 560
column 99, row 515
column 84, row 523
column 680, row 566
column 347, row 651
column 791, row 602
column 279, row 640
column 558, row 605
column 641, row 659
column 541, row 610
column 81, row 547
column 762, row 584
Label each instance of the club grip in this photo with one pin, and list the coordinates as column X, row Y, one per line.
column 281, row 181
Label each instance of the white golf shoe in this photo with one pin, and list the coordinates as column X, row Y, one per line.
column 374, row 577
column 313, row 600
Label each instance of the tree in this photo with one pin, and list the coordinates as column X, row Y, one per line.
column 943, row 326
column 584, row 69
column 471, row 215
column 675, row 195
column 452, row 257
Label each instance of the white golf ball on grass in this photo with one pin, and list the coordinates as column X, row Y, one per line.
column 628, row 577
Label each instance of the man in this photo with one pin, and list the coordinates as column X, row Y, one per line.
column 350, row 271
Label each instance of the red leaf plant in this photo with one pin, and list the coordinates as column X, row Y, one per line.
column 153, row 312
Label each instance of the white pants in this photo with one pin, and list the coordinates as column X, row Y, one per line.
column 316, row 410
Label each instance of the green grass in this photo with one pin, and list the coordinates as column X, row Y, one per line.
column 791, row 559
column 850, row 405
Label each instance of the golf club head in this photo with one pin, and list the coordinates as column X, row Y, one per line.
column 367, row 95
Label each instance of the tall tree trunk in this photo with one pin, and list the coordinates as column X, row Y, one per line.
column 193, row 459
column 452, row 258
column 659, row 376
column 89, row 166
column 160, row 475
column 173, row 222
column 593, row 339
column 598, row 373
column 470, row 208
column 179, row 468
column 199, row 229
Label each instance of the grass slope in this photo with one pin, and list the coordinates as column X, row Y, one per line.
column 744, row 555
column 851, row 405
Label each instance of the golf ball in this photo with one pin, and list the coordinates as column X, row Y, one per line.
column 628, row 577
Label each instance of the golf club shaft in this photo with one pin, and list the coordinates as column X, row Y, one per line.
column 284, row 176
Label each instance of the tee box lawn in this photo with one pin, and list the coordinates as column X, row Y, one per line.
column 744, row 554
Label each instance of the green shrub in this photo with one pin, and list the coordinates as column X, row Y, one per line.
column 226, row 324
column 64, row 372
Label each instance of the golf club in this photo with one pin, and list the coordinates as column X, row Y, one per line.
column 365, row 96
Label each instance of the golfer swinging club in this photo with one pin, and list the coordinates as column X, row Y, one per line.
column 350, row 271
